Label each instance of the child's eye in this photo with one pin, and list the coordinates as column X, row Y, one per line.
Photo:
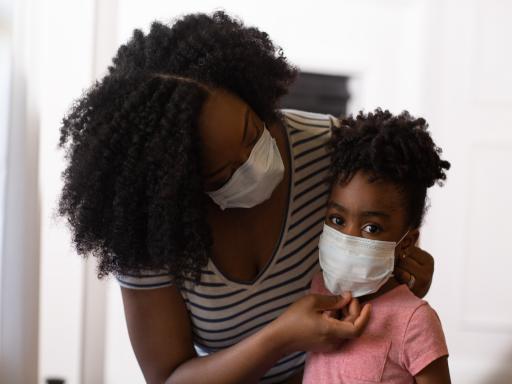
column 372, row 228
column 336, row 220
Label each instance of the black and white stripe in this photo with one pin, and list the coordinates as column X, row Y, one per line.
column 223, row 311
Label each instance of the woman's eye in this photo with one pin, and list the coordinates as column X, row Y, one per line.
column 336, row 220
column 371, row 228
column 259, row 132
column 218, row 184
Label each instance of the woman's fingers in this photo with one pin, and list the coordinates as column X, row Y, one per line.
column 418, row 281
column 420, row 256
column 329, row 313
column 402, row 275
column 330, row 302
column 312, row 323
column 408, row 261
column 352, row 311
column 343, row 329
column 361, row 322
column 344, row 311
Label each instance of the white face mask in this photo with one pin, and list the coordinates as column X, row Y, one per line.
column 255, row 180
column 355, row 264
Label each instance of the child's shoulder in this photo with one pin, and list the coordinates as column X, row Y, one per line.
column 401, row 298
column 401, row 303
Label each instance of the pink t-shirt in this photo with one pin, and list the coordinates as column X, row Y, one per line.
column 403, row 336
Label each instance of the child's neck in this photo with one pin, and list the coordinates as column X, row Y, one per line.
column 388, row 286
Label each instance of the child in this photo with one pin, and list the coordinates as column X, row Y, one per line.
column 381, row 168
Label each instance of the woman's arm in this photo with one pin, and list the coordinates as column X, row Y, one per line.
column 160, row 331
column 436, row 372
column 161, row 336
column 296, row 378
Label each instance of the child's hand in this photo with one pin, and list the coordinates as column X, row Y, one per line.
column 415, row 269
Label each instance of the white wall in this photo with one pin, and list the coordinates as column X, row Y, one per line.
column 379, row 43
column 19, row 272
column 469, row 104
column 402, row 54
column 5, row 72
column 66, row 69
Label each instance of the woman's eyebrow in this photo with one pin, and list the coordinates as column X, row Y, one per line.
column 246, row 123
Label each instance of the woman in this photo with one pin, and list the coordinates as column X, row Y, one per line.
column 206, row 202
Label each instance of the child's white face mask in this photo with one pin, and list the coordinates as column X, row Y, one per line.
column 256, row 179
column 355, row 264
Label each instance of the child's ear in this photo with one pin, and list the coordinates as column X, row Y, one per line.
column 408, row 241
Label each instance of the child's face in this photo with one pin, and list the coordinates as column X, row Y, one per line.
column 373, row 210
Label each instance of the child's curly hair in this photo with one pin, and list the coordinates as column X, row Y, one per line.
column 133, row 191
column 398, row 149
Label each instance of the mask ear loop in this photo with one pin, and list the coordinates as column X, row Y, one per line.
column 404, row 255
column 398, row 242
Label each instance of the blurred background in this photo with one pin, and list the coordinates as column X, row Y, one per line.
column 446, row 60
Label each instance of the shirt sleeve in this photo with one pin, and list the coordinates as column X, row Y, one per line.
column 145, row 280
column 335, row 122
column 424, row 340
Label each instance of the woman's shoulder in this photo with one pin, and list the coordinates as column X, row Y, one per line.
column 303, row 120
column 149, row 279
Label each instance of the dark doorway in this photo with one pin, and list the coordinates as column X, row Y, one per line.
column 315, row 92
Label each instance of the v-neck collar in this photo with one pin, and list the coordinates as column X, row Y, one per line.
column 284, row 229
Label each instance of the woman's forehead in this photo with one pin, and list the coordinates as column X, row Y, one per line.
column 222, row 104
column 222, row 114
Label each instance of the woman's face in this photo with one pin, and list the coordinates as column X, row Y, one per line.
column 229, row 128
column 369, row 209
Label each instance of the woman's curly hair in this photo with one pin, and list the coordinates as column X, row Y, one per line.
column 398, row 149
column 133, row 192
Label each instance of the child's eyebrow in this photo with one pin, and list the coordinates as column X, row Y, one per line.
column 341, row 208
column 376, row 213
column 336, row 206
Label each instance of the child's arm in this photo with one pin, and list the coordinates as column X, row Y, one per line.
column 436, row 372
column 425, row 354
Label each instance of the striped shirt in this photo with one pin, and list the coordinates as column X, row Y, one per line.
column 224, row 312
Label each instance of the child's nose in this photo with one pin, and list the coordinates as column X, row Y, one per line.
column 352, row 230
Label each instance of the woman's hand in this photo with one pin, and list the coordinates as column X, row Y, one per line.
column 415, row 268
column 308, row 324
